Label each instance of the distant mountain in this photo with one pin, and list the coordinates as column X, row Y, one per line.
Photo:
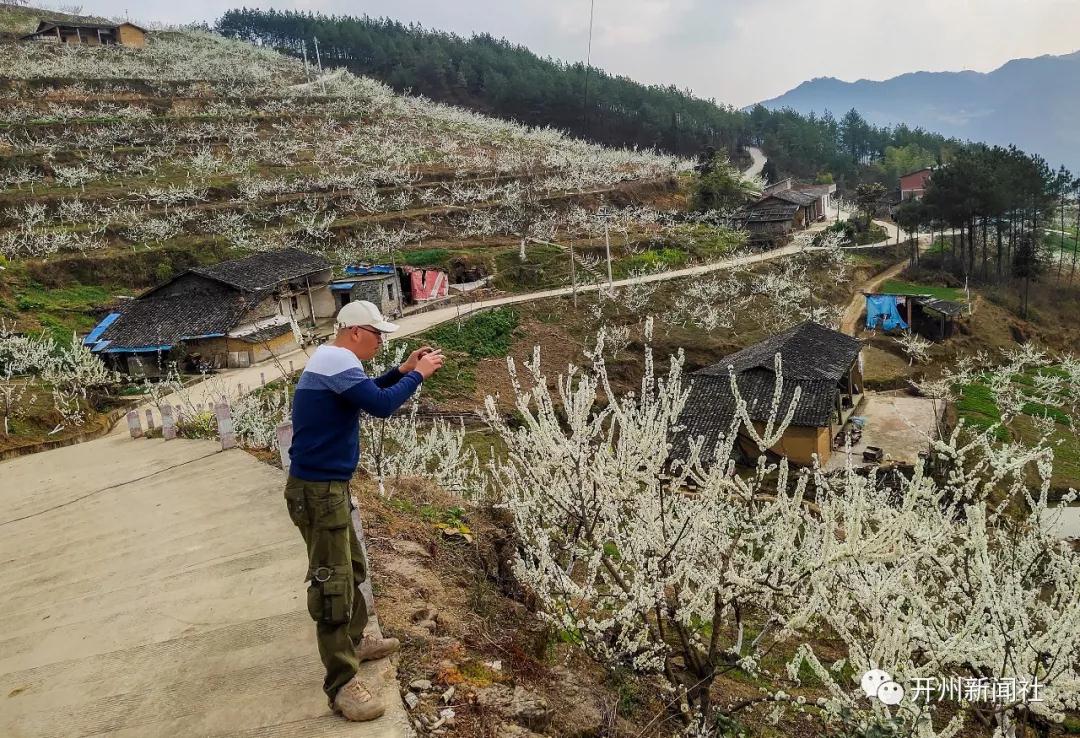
column 1033, row 103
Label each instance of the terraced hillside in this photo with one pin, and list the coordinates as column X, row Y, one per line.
column 121, row 167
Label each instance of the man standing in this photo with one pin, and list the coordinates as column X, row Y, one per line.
column 332, row 392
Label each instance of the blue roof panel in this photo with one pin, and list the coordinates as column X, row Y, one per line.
column 98, row 329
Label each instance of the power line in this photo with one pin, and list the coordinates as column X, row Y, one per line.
column 588, row 65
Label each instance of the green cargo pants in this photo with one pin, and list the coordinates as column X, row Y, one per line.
column 336, row 567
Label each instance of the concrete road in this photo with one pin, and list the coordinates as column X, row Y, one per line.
column 234, row 383
column 900, row 425
column 757, row 165
column 156, row 589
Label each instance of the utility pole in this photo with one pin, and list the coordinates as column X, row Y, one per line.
column 318, row 58
column 307, row 68
column 607, row 248
column 573, row 274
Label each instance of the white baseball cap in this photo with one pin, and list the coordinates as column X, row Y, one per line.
column 362, row 313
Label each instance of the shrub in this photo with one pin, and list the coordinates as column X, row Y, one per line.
column 203, row 425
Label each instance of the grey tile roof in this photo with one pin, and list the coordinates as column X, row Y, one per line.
column 818, row 190
column 808, row 351
column 771, row 213
column 813, row 357
column 157, row 321
column 795, row 197
column 265, row 334
column 223, row 294
column 265, row 269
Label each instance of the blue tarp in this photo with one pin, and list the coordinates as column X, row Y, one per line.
column 363, row 271
column 883, row 308
column 341, row 286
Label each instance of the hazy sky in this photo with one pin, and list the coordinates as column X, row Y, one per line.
column 738, row 51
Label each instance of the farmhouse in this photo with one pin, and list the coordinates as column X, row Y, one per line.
column 768, row 223
column 823, row 193
column 913, row 184
column 786, row 207
column 231, row 314
column 824, row 363
column 89, row 34
column 379, row 285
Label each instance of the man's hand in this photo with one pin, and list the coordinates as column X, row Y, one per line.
column 414, row 357
column 429, row 363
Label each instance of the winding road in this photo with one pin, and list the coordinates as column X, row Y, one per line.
column 758, row 164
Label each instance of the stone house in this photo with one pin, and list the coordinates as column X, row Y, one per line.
column 786, row 207
column 379, row 285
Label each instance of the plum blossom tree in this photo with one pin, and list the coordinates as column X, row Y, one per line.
column 915, row 346
column 620, row 558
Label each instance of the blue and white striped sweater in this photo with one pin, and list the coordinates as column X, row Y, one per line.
column 332, row 392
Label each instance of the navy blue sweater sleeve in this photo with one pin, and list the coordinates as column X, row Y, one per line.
column 382, row 401
column 389, row 379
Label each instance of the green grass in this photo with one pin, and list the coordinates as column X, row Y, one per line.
column 1066, row 447
column 456, row 379
column 976, row 407
column 939, row 246
column 874, row 234
column 76, row 297
column 424, row 257
column 1057, row 242
column 661, row 259
column 59, row 310
column 484, row 335
column 544, row 267
column 898, row 287
column 1039, row 410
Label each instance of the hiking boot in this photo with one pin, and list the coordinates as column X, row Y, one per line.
column 356, row 702
column 372, row 647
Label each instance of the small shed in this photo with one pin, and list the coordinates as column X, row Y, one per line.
column 929, row 316
column 378, row 284
column 769, row 223
column 88, row 33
